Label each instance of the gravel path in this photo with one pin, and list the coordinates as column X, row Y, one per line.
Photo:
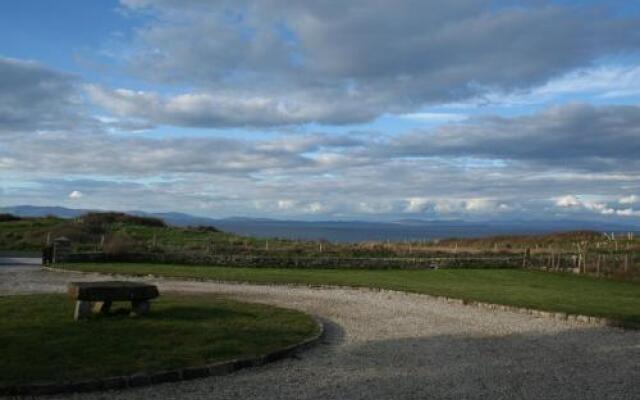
column 388, row 345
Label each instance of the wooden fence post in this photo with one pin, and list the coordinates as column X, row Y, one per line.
column 584, row 262
column 626, row 263
column 525, row 257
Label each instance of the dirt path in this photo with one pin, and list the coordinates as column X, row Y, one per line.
column 388, row 345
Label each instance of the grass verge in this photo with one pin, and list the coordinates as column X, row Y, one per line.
column 39, row 341
column 530, row 289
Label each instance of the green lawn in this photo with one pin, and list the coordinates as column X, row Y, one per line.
column 540, row 290
column 40, row 341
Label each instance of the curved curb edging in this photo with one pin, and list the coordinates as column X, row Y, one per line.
column 176, row 375
column 559, row 316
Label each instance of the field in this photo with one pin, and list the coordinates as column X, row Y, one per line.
column 532, row 289
column 40, row 341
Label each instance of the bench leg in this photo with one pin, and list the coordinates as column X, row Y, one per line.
column 140, row 307
column 83, row 310
column 101, row 307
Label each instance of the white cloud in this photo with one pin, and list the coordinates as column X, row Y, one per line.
column 571, row 201
column 628, row 212
column 454, row 205
column 286, row 204
column 480, row 205
column 602, row 208
column 568, row 201
column 417, row 204
column 598, row 207
column 379, row 207
column 632, row 199
column 315, row 207
column 299, row 207
column 76, row 194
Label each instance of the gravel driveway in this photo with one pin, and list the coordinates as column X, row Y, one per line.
column 388, row 345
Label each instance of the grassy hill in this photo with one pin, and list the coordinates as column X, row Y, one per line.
column 104, row 231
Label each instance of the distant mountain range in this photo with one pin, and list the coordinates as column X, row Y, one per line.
column 351, row 231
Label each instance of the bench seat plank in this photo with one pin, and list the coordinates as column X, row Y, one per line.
column 112, row 291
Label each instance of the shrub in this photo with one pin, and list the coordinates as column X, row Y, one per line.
column 100, row 220
column 120, row 244
column 9, row 218
column 205, row 228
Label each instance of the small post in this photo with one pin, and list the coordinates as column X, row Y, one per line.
column 61, row 249
column 525, row 257
column 580, row 263
column 626, row 263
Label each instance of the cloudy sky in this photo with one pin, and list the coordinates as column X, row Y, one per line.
column 326, row 109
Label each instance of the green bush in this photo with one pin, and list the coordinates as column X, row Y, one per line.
column 102, row 219
column 9, row 217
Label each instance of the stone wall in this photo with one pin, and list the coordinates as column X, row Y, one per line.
column 302, row 262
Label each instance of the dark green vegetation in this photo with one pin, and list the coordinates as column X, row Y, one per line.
column 8, row 218
column 25, row 233
column 39, row 341
column 109, row 232
column 532, row 289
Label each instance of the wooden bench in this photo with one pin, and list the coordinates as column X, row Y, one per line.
column 97, row 297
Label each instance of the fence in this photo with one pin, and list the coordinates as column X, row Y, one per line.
column 621, row 264
column 624, row 265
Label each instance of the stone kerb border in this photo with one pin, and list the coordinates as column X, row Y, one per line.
column 560, row 316
column 151, row 378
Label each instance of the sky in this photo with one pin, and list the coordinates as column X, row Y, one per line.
column 313, row 110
